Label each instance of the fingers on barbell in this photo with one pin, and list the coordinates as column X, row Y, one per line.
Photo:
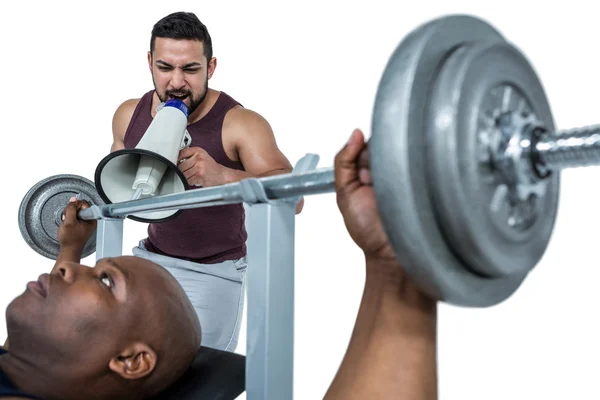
column 364, row 175
column 347, row 160
column 363, row 158
column 75, row 205
column 364, row 167
column 70, row 211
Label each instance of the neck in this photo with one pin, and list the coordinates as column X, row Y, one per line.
column 204, row 107
column 51, row 381
column 20, row 371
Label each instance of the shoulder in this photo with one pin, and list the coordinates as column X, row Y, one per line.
column 239, row 119
column 24, row 397
column 17, row 398
column 126, row 109
column 123, row 116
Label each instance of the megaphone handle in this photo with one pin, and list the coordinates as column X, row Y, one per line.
column 137, row 194
column 187, row 140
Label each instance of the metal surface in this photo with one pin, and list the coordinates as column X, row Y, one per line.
column 495, row 213
column 276, row 187
column 579, row 147
column 41, row 210
column 398, row 143
column 109, row 235
column 270, row 330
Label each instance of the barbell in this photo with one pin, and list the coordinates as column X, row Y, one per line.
column 464, row 156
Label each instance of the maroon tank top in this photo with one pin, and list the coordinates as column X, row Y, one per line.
column 204, row 235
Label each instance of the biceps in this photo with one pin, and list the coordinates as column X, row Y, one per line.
column 263, row 156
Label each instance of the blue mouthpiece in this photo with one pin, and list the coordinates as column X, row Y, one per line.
column 179, row 105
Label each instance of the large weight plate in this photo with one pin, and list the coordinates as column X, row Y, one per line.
column 398, row 157
column 40, row 212
column 479, row 84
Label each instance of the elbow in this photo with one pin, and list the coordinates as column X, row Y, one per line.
column 300, row 206
column 117, row 145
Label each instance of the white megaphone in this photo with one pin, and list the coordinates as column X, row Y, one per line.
column 150, row 169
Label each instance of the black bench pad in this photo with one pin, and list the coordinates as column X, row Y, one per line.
column 214, row 375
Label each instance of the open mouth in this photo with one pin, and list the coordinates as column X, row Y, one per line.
column 178, row 96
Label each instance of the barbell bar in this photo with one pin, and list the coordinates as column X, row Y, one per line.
column 465, row 161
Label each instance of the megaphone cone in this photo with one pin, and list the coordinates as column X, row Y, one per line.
column 150, row 169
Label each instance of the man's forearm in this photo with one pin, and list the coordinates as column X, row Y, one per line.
column 234, row 175
column 392, row 351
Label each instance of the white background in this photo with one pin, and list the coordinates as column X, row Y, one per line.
column 312, row 70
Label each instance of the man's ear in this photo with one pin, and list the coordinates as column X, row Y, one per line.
column 135, row 362
column 150, row 61
column 212, row 65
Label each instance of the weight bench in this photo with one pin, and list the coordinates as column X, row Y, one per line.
column 214, row 375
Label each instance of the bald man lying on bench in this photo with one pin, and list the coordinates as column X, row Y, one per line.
column 126, row 330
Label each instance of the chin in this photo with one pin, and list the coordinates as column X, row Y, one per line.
column 18, row 309
column 21, row 318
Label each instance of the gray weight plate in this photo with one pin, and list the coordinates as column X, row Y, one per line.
column 398, row 156
column 40, row 212
column 478, row 85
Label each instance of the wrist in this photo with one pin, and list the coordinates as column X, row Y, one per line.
column 389, row 278
column 70, row 253
column 379, row 266
column 233, row 175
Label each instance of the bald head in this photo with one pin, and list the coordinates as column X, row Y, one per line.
column 171, row 324
column 123, row 329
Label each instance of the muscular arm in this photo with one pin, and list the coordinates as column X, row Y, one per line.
column 120, row 123
column 73, row 234
column 256, row 147
column 392, row 351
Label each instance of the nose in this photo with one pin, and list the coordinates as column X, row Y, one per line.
column 177, row 79
column 68, row 271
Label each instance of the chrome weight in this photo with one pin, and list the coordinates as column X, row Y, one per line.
column 400, row 153
column 495, row 214
column 40, row 212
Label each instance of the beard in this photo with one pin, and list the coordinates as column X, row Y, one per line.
column 183, row 95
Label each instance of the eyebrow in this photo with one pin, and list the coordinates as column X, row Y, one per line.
column 188, row 65
column 114, row 264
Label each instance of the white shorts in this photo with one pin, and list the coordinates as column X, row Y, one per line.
column 216, row 292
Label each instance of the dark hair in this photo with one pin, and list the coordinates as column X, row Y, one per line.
column 182, row 25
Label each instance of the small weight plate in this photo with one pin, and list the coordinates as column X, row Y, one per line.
column 478, row 85
column 398, row 157
column 40, row 212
